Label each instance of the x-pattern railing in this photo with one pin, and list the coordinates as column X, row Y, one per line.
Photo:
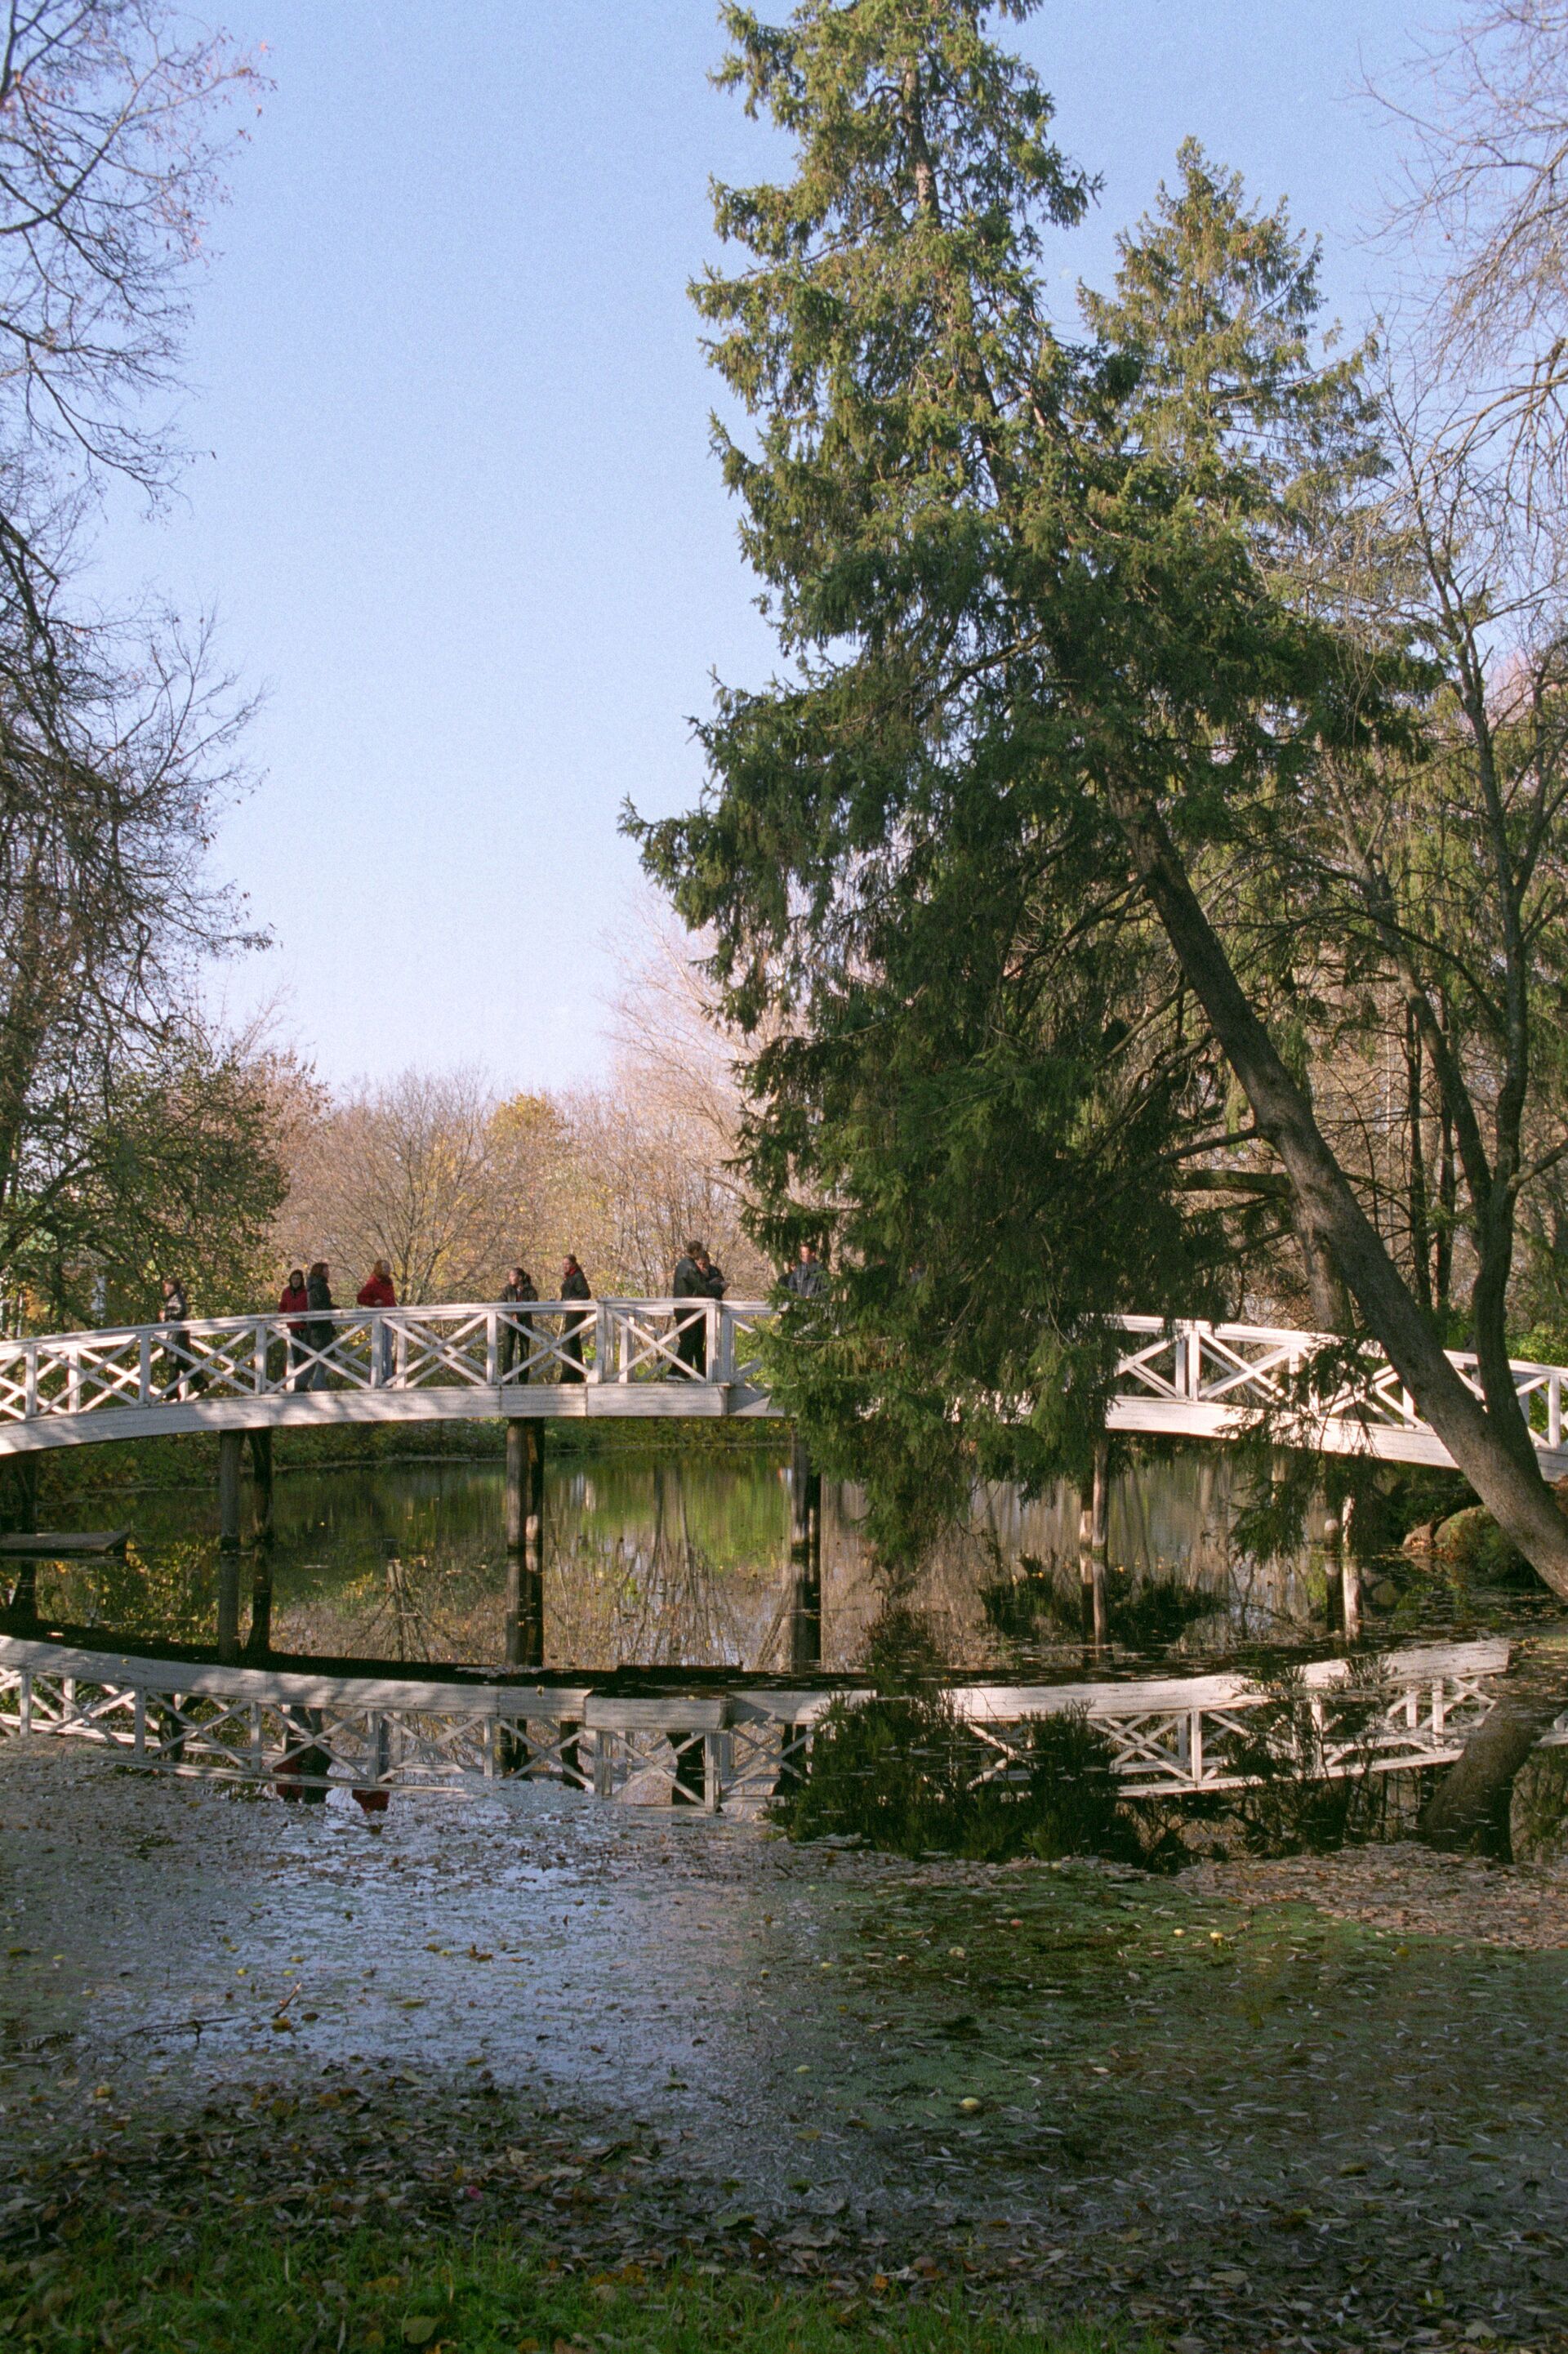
column 465, row 1346
column 1252, row 1368
column 1205, row 1381
column 1174, row 1737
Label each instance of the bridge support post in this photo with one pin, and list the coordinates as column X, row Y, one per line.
column 261, row 1479
column 19, row 1496
column 805, row 1560
column 259, row 1640
column 1092, row 1506
column 231, row 1444
column 1342, row 1571
column 19, row 1515
column 525, row 1517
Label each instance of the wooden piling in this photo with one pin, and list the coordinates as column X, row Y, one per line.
column 805, row 1560
column 262, row 1483
column 1344, row 1570
column 1092, row 1512
column 19, row 1496
column 516, row 1462
column 259, row 1640
column 230, row 1445
column 19, row 1511
column 525, row 1521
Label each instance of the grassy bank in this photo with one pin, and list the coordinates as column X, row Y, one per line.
column 250, row 2292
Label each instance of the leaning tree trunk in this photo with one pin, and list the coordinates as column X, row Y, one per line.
column 1470, row 1808
column 1512, row 1488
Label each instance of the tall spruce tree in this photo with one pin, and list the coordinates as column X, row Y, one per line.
column 1058, row 680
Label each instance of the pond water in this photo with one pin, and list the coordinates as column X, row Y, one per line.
column 667, row 1555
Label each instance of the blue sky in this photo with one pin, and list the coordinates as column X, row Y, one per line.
column 453, row 503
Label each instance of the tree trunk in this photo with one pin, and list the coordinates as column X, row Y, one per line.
column 1449, row 1210
column 1414, row 1118
column 1325, row 1292
column 1469, row 1807
column 1512, row 1489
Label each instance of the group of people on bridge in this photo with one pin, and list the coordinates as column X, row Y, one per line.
column 306, row 1301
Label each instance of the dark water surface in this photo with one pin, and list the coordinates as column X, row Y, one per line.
column 671, row 1555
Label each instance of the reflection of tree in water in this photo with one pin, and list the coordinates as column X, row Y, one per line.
column 656, row 1597
column 167, row 1590
column 687, row 1561
column 440, row 1605
column 1003, row 1594
column 653, row 1596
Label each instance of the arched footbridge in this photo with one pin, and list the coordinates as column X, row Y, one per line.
column 655, row 1358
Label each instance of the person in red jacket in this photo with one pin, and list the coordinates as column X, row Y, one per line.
column 294, row 1301
column 376, row 1292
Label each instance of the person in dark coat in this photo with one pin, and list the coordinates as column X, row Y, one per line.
column 517, row 1331
column 176, row 1340
column 808, row 1278
column 714, row 1281
column 319, row 1334
column 692, row 1330
column 294, row 1300
column 574, row 1285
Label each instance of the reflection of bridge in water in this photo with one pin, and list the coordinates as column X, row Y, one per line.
column 243, row 1377
column 723, row 1741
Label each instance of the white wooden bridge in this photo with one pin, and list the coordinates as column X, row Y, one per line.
column 567, row 1359
column 722, row 1746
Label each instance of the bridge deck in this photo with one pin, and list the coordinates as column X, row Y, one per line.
column 654, row 1358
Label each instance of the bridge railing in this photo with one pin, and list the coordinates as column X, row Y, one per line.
column 1170, row 1737
column 467, row 1346
column 1258, row 1368
column 1186, row 1376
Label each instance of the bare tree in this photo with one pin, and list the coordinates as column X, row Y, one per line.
column 1486, row 114
column 403, row 1171
column 678, row 1102
column 117, row 742
column 111, row 136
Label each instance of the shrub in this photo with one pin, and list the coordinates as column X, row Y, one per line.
column 898, row 1770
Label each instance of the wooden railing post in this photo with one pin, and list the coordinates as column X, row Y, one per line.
column 603, row 1343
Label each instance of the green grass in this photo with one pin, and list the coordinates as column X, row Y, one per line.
column 241, row 2292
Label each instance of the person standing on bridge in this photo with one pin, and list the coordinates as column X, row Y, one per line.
column 691, row 1326
column 184, row 1380
column 295, row 1298
column 516, row 1331
column 574, row 1285
column 714, row 1286
column 808, row 1278
column 376, row 1292
column 318, row 1333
